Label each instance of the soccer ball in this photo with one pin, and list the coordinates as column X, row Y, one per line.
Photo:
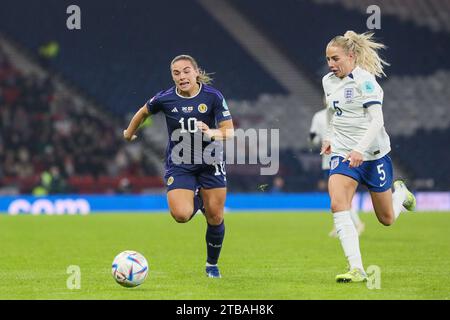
column 129, row 268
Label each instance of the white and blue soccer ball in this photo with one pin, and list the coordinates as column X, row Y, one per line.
column 129, row 268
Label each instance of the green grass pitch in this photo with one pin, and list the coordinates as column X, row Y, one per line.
column 271, row 255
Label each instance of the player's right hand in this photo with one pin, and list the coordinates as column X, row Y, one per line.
column 128, row 137
column 326, row 147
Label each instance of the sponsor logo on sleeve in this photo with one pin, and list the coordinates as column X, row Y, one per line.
column 368, row 87
column 224, row 104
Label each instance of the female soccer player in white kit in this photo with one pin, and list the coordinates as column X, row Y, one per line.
column 358, row 142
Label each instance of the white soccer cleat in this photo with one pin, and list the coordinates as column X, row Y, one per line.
column 410, row 201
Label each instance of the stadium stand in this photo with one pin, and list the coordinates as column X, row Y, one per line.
column 43, row 126
column 416, row 95
column 434, row 14
column 403, row 39
column 424, row 156
column 122, row 65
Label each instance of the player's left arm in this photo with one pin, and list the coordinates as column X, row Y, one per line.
column 371, row 100
column 224, row 132
column 223, row 120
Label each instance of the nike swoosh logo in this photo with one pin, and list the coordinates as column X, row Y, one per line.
column 382, row 184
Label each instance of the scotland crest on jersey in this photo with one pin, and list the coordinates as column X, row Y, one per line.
column 202, row 108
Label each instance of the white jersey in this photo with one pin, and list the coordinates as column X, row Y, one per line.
column 347, row 100
column 319, row 127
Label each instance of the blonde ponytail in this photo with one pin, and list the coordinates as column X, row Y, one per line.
column 365, row 50
column 203, row 76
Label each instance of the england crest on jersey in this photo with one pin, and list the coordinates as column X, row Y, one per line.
column 348, row 93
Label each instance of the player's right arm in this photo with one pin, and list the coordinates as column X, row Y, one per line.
column 141, row 115
column 326, row 142
column 314, row 137
column 152, row 106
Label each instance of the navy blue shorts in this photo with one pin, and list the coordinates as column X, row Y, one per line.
column 377, row 174
column 193, row 176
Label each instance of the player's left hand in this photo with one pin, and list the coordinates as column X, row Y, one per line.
column 355, row 158
column 204, row 128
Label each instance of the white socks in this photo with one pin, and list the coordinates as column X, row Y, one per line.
column 354, row 215
column 349, row 238
column 398, row 197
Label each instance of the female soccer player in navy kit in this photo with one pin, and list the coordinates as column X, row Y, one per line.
column 193, row 109
column 358, row 142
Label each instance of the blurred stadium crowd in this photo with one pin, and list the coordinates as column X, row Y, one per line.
column 46, row 130
column 66, row 119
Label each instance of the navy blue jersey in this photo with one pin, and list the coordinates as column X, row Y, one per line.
column 182, row 114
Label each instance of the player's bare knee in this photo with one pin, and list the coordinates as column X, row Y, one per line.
column 181, row 215
column 214, row 217
column 386, row 220
column 337, row 205
column 215, row 220
column 180, row 219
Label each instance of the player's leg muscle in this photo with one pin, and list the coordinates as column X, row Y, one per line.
column 214, row 202
column 181, row 204
column 341, row 189
column 382, row 204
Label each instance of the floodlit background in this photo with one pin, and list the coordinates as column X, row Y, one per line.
column 66, row 95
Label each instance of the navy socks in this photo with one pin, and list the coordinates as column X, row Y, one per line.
column 214, row 239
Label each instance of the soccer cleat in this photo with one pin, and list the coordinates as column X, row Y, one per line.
column 410, row 201
column 354, row 275
column 213, row 272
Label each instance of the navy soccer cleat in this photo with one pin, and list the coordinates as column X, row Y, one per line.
column 213, row 272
